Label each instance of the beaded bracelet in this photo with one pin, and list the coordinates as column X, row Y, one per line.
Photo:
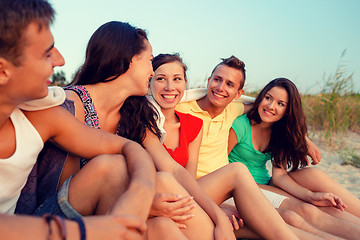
column 81, row 227
column 59, row 222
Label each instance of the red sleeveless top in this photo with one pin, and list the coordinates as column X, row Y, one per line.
column 189, row 129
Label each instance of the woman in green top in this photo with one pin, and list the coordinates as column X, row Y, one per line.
column 275, row 129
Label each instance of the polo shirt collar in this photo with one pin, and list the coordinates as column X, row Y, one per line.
column 194, row 106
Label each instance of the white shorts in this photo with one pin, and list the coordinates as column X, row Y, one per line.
column 274, row 198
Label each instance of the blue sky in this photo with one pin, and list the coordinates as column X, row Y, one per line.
column 300, row 40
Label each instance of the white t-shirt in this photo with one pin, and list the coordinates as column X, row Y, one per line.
column 14, row 170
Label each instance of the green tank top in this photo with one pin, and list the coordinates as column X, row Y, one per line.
column 245, row 153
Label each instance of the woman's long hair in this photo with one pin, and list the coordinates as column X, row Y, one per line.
column 137, row 116
column 108, row 55
column 287, row 142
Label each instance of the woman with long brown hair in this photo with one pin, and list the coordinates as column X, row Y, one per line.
column 276, row 129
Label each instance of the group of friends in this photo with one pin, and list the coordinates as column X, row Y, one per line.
column 126, row 152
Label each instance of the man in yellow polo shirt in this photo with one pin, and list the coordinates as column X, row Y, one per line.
column 218, row 111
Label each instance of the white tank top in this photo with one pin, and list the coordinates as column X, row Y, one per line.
column 14, row 170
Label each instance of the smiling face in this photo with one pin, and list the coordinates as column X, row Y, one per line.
column 37, row 63
column 223, row 86
column 141, row 70
column 168, row 84
column 273, row 106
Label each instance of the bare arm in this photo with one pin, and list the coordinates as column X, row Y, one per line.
column 58, row 125
column 284, row 181
column 194, row 148
column 313, row 151
column 232, row 140
column 164, row 162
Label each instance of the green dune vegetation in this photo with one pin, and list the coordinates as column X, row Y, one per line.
column 334, row 112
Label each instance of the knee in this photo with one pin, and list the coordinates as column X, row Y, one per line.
column 291, row 218
column 308, row 171
column 238, row 167
column 314, row 172
column 166, row 183
column 308, row 210
column 108, row 166
column 238, row 171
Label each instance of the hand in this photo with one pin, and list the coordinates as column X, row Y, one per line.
column 174, row 206
column 327, row 200
column 233, row 215
column 313, row 152
column 224, row 231
column 114, row 227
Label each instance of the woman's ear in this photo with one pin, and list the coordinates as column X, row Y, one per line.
column 135, row 58
column 5, row 71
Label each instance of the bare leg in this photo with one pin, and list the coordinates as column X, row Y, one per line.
column 234, row 180
column 321, row 220
column 163, row 228
column 299, row 226
column 303, row 228
column 304, row 235
column 329, row 210
column 198, row 227
column 342, row 215
column 98, row 185
column 323, row 183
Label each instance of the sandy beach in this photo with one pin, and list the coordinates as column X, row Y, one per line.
column 331, row 162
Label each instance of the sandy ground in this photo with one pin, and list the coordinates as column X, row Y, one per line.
column 331, row 162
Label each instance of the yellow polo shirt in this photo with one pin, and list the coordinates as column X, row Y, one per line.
column 213, row 150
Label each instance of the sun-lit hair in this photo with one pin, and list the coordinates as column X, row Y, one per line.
column 287, row 143
column 15, row 17
column 235, row 63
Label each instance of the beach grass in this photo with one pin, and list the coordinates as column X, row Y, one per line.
column 335, row 111
column 350, row 157
column 334, row 114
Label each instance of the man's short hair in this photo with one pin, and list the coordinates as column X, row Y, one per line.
column 235, row 63
column 15, row 17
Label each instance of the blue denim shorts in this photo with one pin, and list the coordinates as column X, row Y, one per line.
column 58, row 204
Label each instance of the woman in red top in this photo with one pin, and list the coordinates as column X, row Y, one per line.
column 190, row 129
column 168, row 86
